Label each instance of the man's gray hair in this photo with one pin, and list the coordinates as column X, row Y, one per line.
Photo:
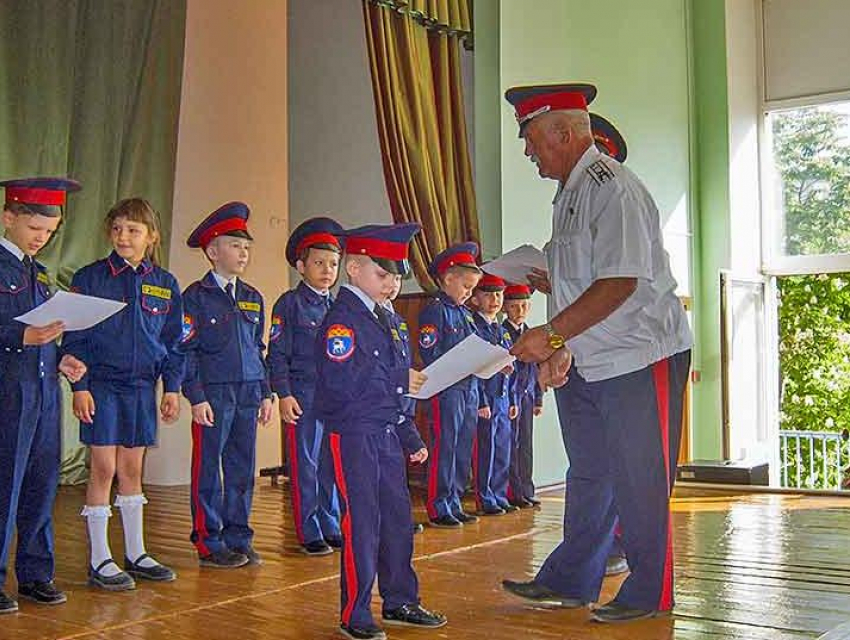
column 576, row 119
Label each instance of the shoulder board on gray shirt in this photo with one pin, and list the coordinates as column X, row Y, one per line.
column 600, row 172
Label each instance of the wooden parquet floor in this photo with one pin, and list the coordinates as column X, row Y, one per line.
column 752, row 566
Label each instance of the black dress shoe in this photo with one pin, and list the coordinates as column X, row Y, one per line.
column 465, row 518
column 121, row 581
column 414, row 615
column 254, row 558
column 7, row 603
column 156, row 573
column 534, row 501
column 618, row 612
column 418, row 528
column 536, row 592
column 508, row 507
column 316, row 548
column 355, row 632
column 615, row 565
column 492, row 511
column 446, row 522
column 334, row 542
column 521, row 503
column 42, row 593
column 224, row 559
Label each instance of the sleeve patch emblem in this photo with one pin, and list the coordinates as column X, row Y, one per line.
column 427, row 336
column 339, row 342
column 276, row 329
column 188, row 328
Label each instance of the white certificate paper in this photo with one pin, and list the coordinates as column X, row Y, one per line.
column 471, row 356
column 74, row 309
column 515, row 265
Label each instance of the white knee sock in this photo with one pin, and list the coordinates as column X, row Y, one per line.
column 97, row 521
column 132, row 517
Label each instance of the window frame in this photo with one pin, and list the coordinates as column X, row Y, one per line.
column 774, row 261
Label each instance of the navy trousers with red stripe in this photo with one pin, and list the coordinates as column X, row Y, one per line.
column 493, row 456
column 622, row 437
column 315, row 507
column 454, row 416
column 377, row 526
column 223, row 460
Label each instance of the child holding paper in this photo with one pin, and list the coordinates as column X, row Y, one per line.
column 444, row 323
column 116, row 401
column 497, row 407
column 363, row 375
column 529, row 401
column 29, row 390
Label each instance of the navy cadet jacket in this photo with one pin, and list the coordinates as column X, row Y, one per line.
column 525, row 382
column 222, row 337
column 22, row 289
column 500, row 385
column 443, row 324
column 363, row 374
column 139, row 343
column 296, row 318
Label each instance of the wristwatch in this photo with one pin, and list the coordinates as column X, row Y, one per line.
column 556, row 340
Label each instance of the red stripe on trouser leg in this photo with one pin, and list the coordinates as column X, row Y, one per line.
column 661, row 375
column 294, row 486
column 345, row 525
column 200, row 521
column 434, row 466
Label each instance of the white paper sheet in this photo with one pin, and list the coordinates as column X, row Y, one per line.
column 515, row 265
column 74, row 309
column 471, row 356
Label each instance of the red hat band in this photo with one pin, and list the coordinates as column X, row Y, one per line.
column 454, row 260
column 223, row 228
column 539, row 104
column 518, row 291
column 375, row 248
column 490, row 281
column 314, row 239
column 30, row 195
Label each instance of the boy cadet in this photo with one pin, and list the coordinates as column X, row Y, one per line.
column 29, row 390
column 363, row 375
column 227, row 386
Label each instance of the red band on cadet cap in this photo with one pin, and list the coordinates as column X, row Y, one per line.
column 554, row 102
column 375, row 248
column 517, row 290
column 489, row 280
column 222, row 228
column 455, row 259
column 30, row 195
column 314, row 239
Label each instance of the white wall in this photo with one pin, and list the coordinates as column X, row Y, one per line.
column 232, row 145
column 335, row 166
column 336, row 161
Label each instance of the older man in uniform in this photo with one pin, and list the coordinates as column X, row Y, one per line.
column 613, row 307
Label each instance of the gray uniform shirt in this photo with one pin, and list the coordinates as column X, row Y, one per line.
column 605, row 224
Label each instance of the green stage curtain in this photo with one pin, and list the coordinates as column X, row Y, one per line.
column 91, row 89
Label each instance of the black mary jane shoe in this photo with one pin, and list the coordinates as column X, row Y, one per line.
column 156, row 573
